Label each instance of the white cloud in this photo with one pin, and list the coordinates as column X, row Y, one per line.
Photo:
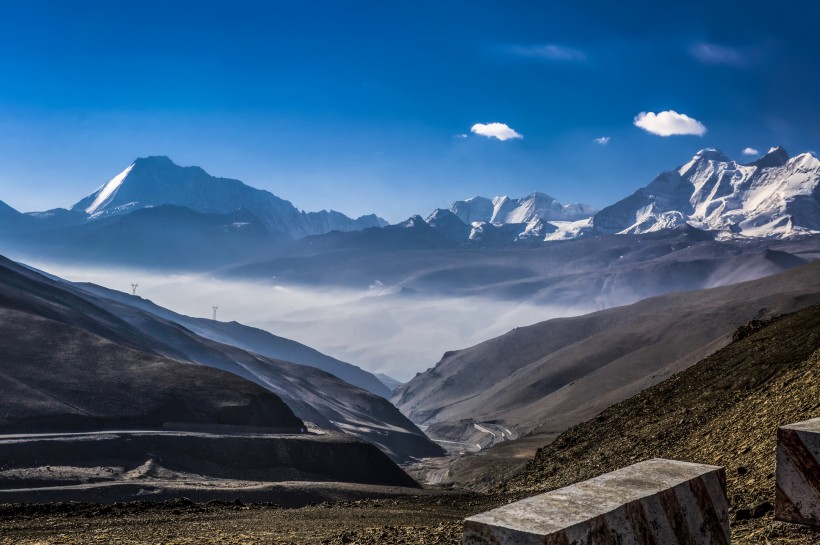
column 460, row 136
column 669, row 123
column 603, row 140
column 548, row 52
column 750, row 151
column 495, row 130
column 718, row 54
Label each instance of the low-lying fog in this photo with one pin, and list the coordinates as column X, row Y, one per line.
column 376, row 329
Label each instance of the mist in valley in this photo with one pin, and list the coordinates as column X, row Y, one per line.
column 380, row 329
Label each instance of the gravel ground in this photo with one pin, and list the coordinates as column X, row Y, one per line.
column 402, row 520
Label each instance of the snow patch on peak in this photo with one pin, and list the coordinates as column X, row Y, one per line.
column 413, row 221
column 473, row 209
column 117, row 210
column 713, row 154
column 500, row 200
column 437, row 214
column 805, row 160
column 704, row 155
column 569, row 230
column 108, row 190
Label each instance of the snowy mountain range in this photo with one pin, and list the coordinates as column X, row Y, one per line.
column 181, row 216
column 503, row 219
column 501, row 210
column 775, row 196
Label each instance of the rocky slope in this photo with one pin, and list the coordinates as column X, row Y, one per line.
column 93, row 404
column 555, row 374
column 62, row 378
column 111, row 466
column 314, row 395
column 725, row 411
column 247, row 338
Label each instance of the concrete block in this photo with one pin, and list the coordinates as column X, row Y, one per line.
column 797, row 497
column 659, row 502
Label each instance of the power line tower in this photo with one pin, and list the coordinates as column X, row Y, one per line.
column 215, row 309
column 134, row 289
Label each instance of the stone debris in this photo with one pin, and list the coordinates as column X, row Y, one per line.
column 656, row 501
column 797, row 497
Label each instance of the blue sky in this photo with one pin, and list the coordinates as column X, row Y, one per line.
column 363, row 106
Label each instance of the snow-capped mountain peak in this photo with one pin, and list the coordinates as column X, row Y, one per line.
column 474, row 209
column 412, row 221
column 107, row 191
column 157, row 181
column 773, row 196
column 702, row 157
column 502, row 219
column 502, row 210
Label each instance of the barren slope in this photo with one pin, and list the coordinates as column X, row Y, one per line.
column 724, row 411
column 557, row 373
column 311, row 393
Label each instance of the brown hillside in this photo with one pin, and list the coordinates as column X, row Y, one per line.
column 725, row 410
